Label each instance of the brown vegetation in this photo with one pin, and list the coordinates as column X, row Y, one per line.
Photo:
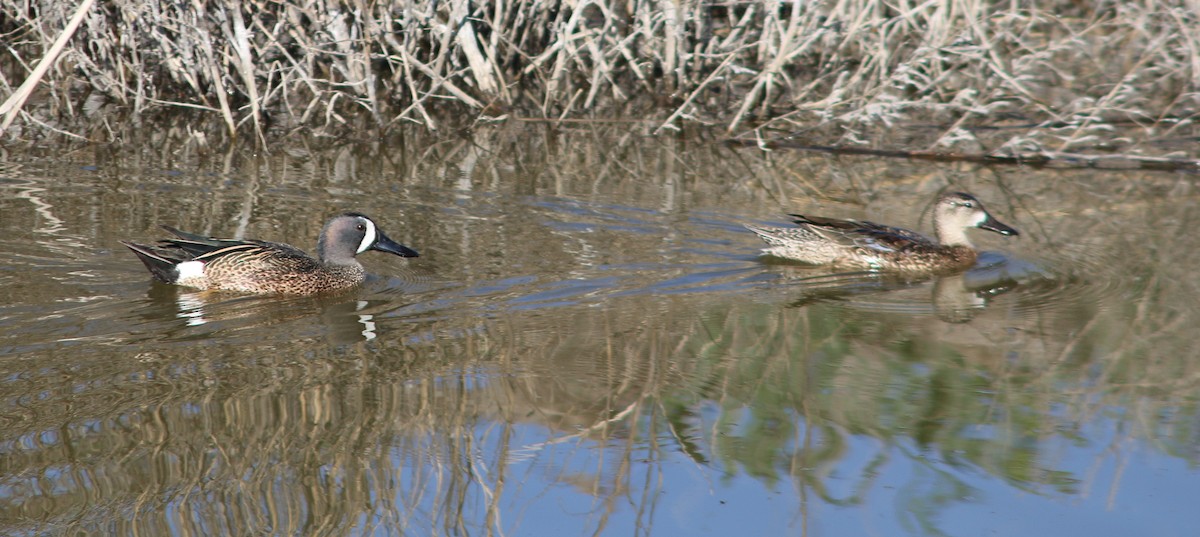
column 1062, row 76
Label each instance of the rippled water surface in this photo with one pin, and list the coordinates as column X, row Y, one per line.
column 591, row 344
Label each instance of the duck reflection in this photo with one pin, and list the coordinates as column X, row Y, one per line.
column 958, row 300
column 955, row 298
column 344, row 318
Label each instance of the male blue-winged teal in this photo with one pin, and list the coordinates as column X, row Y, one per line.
column 254, row 266
column 854, row 244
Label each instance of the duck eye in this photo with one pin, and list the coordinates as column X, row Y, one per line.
column 361, row 227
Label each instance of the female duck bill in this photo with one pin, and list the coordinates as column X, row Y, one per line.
column 991, row 224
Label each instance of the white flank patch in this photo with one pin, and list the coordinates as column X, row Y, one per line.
column 190, row 272
column 369, row 238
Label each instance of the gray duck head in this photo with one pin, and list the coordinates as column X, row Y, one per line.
column 350, row 234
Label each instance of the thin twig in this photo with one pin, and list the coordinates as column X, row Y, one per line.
column 12, row 105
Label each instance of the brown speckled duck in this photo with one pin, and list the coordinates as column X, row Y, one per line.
column 854, row 244
column 262, row 267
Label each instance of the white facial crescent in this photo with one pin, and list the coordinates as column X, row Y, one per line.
column 369, row 236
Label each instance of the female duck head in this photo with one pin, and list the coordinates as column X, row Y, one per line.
column 957, row 211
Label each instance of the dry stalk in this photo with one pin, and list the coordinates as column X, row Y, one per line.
column 12, row 105
column 848, row 69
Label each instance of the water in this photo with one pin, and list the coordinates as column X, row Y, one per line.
column 591, row 344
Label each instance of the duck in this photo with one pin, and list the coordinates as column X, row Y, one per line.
column 863, row 245
column 262, row 267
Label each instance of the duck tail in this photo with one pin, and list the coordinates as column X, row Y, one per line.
column 769, row 235
column 161, row 268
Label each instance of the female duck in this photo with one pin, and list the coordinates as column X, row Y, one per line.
column 854, row 244
column 262, row 267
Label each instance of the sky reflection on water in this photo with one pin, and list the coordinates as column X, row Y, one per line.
column 589, row 347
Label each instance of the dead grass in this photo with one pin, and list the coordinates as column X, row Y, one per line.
column 1055, row 77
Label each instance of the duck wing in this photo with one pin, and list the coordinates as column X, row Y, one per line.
column 862, row 233
column 244, row 254
column 205, row 248
column 258, row 257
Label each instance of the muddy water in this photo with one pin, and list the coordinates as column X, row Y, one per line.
column 590, row 344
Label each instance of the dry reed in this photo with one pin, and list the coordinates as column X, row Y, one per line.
column 1058, row 76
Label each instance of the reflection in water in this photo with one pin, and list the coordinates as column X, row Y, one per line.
column 591, row 344
column 367, row 321
column 955, row 298
column 191, row 308
column 1038, row 287
column 345, row 318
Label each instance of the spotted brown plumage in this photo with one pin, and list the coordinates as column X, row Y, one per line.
column 263, row 267
column 857, row 244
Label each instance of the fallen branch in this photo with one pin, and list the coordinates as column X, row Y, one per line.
column 1043, row 160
